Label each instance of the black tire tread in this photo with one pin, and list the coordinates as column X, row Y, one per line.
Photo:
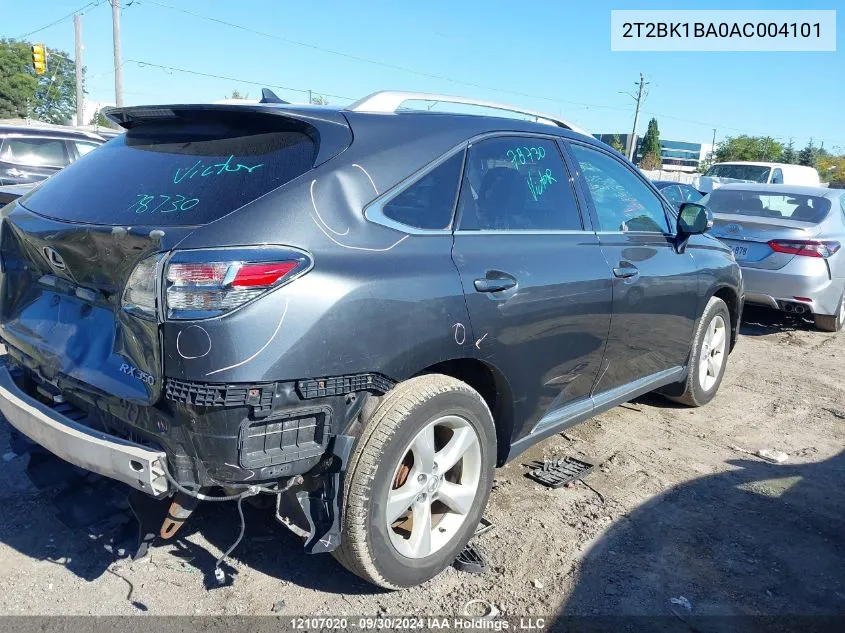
column 689, row 397
column 353, row 552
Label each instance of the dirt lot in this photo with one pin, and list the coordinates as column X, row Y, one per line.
column 675, row 510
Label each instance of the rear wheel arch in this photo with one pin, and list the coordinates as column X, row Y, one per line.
column 493, row 387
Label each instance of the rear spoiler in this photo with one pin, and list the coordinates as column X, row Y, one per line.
column 329, row 128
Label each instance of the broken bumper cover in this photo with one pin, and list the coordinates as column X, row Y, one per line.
column 101, row 453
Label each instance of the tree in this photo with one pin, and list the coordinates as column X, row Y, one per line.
column 651, row 147
column 762, row 148
column 319, row 100
column 788, row 155
column 832, row 167
column 616, row 143
column 808, row 155
column 100, row 119
column 236, row 94
column 650, row 161
column 50, row 97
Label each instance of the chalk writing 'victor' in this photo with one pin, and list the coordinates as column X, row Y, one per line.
column 198, row 169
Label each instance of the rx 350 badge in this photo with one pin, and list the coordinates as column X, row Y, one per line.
column 143, row 376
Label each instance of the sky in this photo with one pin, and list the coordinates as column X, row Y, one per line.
column 553, row 57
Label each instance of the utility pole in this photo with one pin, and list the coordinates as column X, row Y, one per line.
column 310, row 101
column 118, row 68
column 712, row 157
column 640, row 96
column 80, row 103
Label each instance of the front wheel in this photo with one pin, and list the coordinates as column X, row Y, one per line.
column 418, row 482
column 709, row 355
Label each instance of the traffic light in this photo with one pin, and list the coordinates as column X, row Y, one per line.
column 39, row 59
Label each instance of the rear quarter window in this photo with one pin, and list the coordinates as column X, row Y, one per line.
column 178, row 172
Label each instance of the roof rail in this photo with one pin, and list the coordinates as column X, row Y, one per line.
column 389, row 101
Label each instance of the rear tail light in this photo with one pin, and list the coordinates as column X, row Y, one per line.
column 202, row 284
column 211, row 287
column 806, row 248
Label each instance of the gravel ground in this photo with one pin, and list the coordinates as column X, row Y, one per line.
column 677, row 509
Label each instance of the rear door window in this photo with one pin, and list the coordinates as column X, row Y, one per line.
column 34, row 152
column 517, row 184
column 179, row 172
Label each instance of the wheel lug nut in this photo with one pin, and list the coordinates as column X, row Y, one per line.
column 421, row 478
column 434, row 467
column 422, row 497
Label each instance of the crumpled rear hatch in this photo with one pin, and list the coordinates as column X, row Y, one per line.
column 70, row 247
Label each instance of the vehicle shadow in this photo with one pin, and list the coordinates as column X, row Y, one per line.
column 759, row 321
column 85, row 525
column 759, row 540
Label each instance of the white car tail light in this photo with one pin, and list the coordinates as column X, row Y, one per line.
column 140, row 295
column 202, row 284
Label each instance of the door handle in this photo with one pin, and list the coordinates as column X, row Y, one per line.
column 494, row 285
column 626, row 270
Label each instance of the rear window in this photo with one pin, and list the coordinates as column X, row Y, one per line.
column 179, row 172
column 800, row 208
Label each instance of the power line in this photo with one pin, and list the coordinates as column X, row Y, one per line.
column 375, row 62
column 62, row 19
column 235, row 79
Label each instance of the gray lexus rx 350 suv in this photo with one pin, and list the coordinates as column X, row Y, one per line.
column 356, row 313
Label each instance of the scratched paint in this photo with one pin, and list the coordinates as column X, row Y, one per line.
column 478, row 342
column 325, row 228
column 201, row 333
column 261, row 349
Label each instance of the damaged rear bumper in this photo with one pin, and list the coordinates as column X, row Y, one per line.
column 101, row 453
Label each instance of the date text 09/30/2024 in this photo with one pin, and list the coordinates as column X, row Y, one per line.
column 424, row 623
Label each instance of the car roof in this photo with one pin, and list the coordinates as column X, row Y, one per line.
column 666, row 183
column 46, row 130
column 801, row 190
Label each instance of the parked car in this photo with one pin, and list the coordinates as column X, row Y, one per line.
column 359, row 312
column 788, row 241
column 678, row 192
column 13, row 192
column 30, row 154
column 746, row 171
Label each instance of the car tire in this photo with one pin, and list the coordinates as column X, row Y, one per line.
column 832, row 323
column 392, row 464
column 712, row 339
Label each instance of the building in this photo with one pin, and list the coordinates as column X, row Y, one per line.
column 676, row 155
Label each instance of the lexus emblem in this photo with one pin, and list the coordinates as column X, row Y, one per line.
column 733, row 228
column 53, row 258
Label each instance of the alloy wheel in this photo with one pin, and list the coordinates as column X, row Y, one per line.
column 434, row 487
column 712, row 356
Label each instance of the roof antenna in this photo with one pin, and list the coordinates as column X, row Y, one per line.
column 268, row 96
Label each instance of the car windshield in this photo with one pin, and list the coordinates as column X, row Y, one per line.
column 755, row 173
column 762, row 204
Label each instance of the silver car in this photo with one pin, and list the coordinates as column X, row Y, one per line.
column 788, row 240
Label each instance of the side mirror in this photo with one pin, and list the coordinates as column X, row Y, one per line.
column 694, row 219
